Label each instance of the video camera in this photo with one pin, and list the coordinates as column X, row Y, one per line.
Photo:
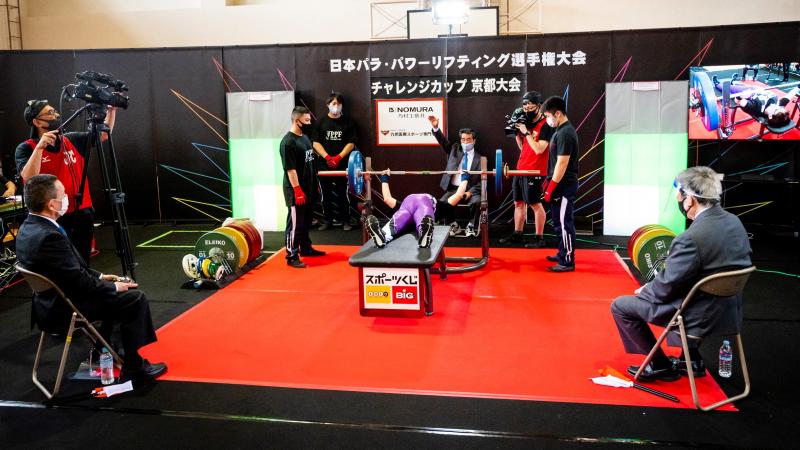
column 518, row 116
column 100, row 89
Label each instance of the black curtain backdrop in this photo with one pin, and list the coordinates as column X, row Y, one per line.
column 168, row 151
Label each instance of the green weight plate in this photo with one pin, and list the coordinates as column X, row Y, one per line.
column 219, row 247
column 241, row 244
column 644, row 237
column 651, row 250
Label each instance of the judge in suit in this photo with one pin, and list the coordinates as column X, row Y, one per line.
column 43, row 247
column 716, row 241
column 460, row 156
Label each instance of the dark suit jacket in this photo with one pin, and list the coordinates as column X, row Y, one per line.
column 454, row 155
column 42, row 248
column 715, row 242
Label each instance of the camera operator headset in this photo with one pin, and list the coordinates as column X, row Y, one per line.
column 532, row 135
column 51, row 151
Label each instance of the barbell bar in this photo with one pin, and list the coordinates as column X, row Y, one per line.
column 355, row 172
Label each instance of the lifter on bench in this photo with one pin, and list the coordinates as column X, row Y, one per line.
column 417, row 209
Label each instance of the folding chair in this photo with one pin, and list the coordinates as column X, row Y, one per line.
column 40, row 284
column 723, row 284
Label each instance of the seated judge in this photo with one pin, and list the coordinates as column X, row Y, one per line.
column 43, row 247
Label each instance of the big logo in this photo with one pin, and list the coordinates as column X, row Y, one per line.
column 405, row 295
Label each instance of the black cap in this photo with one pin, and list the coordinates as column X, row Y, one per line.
column 33, row 109
column 533, row 97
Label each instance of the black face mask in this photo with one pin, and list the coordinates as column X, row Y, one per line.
column 681, row 208
column 531, row 115
column 306, row 128
column 53, row 124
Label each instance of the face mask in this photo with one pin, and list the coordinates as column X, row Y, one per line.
column 681, row 208
column 335, row 110
column 64, row 206
column 551, row 121
column 306, row 128
column 467, row 147
column 53, row 124
column 530, row 115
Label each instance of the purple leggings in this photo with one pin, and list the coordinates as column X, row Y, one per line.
column 413, row 208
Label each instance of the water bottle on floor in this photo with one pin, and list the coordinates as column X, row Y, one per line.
column 725, row 359
column 106, row 367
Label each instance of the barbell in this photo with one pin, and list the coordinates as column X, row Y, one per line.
column 705, row 98
column 355, row 172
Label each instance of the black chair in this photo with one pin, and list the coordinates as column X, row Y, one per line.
column 40, row 284
column 723, row 284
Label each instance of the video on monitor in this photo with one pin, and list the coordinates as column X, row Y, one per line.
column 745, row 102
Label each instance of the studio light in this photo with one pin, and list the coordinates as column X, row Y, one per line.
column 450, row 12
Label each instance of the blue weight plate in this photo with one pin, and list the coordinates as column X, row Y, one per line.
column 355, row 167
column 498, row 172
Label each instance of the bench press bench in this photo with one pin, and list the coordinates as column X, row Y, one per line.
column 395, row 281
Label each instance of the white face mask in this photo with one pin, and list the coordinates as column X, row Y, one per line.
column 335, row 110
column 64, row 206
column 551, row 121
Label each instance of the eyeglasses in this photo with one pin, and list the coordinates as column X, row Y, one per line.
column 52, row 113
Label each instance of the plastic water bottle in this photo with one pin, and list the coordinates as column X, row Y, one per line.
column 725, row 359
column 106, row 367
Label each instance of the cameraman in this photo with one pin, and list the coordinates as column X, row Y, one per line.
column 533, row 138
column 50, row 152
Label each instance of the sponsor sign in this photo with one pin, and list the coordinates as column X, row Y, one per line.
column 405, row 122
column 389, row 288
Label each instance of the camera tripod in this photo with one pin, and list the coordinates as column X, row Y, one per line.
column 112, row 185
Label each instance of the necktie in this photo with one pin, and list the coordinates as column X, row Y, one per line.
column 465, row 166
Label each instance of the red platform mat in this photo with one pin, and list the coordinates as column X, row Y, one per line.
column 512, row 330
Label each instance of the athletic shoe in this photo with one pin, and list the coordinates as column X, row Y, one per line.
column 312, row 252
column 296, row 263
column 454, row 229
column 513, row 238
column 323, row 226
column 374, row 229
column 551, row 258
column 537, row 243
column 558, row 268
column 426, row 232
column 471, row 231
column 347, row 227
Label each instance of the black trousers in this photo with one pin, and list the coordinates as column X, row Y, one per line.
column 335, row 200
column 79, row 226
column 131, row 310
column 298, row 223
column 561, row 211
column 445, row 211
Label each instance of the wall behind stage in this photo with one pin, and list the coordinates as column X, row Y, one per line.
column 172, row 141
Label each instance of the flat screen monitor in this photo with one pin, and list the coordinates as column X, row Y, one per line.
column 745, row 102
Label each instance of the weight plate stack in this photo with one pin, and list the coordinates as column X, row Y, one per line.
column 648, row 247
column 219, row 247
column 239, row 240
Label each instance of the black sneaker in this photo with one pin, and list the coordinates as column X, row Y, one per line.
column 312, row 252
column 558, row 268
column 513, row 238
column 536, row 243
column 374, row 229
column 426, row 232
column 551, row 258
column 296, row 263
